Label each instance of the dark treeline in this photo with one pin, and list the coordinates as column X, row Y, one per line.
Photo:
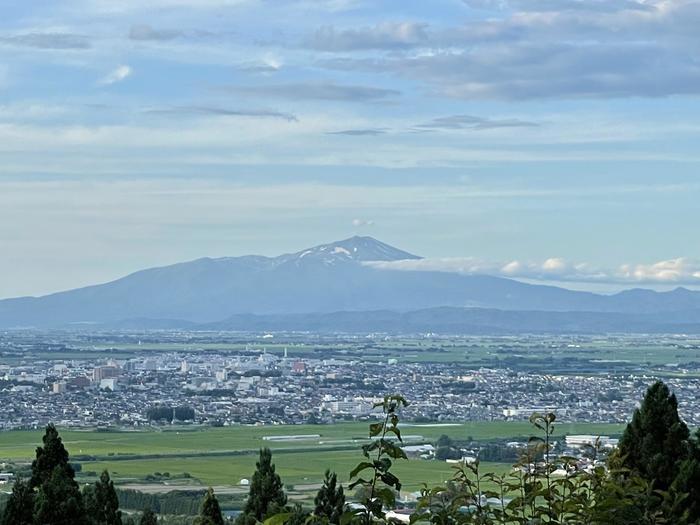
column 179, row 502
column 49, row 495
column 653, row 477
column 167, row 413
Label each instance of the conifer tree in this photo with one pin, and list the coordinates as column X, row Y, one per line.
column 19, row 508
column 266, row 495
column 330, row 499
column 148, row 517
column 59, row 501
column 210, row 511
column 687, row 485
column 297, row 515
column 102, row 503
column 655, row 442
column 53, row 454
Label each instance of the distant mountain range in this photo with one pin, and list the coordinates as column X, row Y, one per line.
column 331, row 288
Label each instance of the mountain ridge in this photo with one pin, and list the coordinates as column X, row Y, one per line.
column 439, row 320
column 326, row 278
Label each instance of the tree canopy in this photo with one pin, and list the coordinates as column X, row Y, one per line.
column 266, row 495
column 656, row 441
column 49, row 457
column 210, row 511
column 330, row 500
column 102, row 503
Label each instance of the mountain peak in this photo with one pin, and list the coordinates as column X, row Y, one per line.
column 357, row 248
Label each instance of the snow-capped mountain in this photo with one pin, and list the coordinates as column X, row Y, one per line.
column 358, row 249
column 327, row 278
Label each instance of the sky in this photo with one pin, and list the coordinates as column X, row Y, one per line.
column 553, row 141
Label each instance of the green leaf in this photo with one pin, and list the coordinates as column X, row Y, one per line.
column 387, row 496
column 360, row 467
column 390, row 480
column 278, row 519
column 393, row 451
column 357, row 482
column 375, row 429
column 382, row 465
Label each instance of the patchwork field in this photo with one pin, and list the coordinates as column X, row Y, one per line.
column 20, row 445
column 294, row 468
column 223, row 456
column 599, row 353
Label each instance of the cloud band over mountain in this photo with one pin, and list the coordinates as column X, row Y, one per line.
column 679, row 271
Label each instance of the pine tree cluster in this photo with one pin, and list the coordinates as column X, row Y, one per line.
column 51, row 496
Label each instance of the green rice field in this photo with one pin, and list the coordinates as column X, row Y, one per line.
column 224, row 456
column 19, row 445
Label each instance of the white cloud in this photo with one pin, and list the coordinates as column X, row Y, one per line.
column 60, row 41
column 146, row 32
column 680, row 271
column 554, row 265
column 529, row 49
column 382, row 36
column 126, row 6
column 362, row 222
column 31, row 111
column 671, row 271
column 130, row 6
column 117, row 75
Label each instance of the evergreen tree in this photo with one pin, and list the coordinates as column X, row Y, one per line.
column 687, row 486
column 18, row 510
column 102, row 503
column 148, row 518
column 58, row 500
column 266, row 495
column 655, row 442
column 53, row 454
column 330, row 499
column 90, row 504
column 210, row 512
column 297, row 515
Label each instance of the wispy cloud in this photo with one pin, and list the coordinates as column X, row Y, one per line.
column 129, row 6
column 553, row 49
column 381, row 36
column 177, row 111
column 680, row 271
column 359, row 132
column 318, row 91
column 117, row 75
column 65, row 41
column 558, row 5
column 265, row 66
column 472, row 122
column 145, row 32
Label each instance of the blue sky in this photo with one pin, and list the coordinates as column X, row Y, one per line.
column 548, row 140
